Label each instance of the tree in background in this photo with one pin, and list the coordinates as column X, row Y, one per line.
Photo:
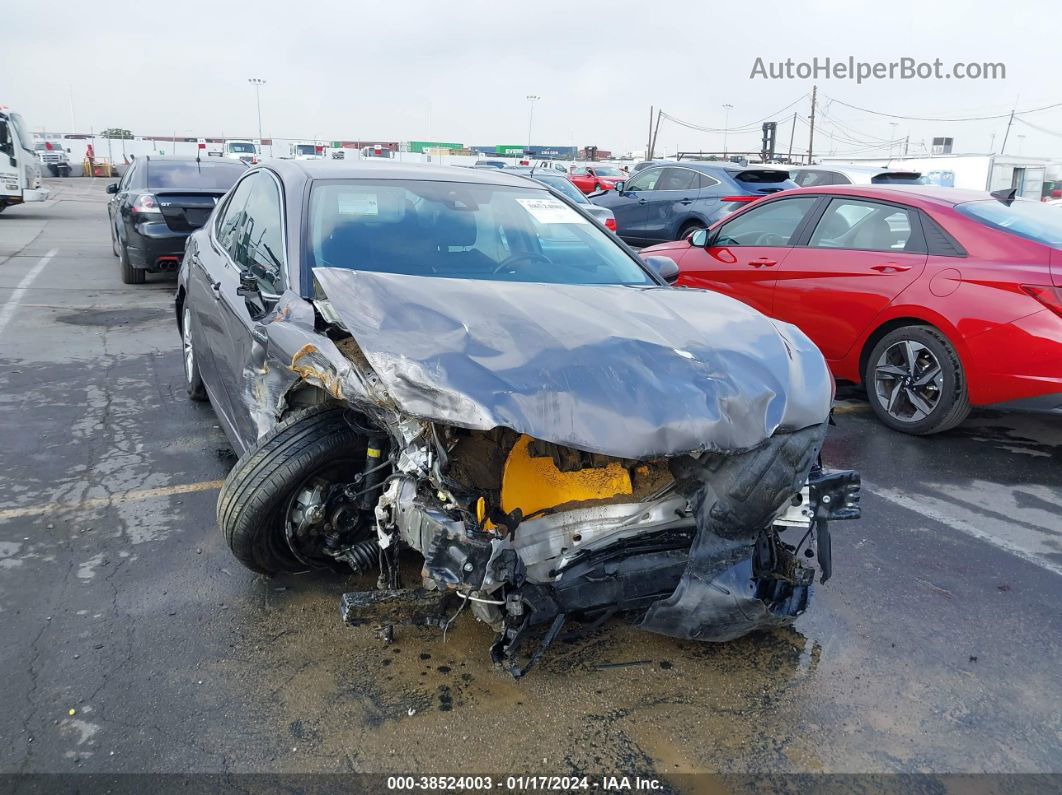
column 116, row 132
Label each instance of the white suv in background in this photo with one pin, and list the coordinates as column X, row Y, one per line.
column 845, row 174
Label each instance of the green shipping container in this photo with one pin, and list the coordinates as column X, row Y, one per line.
column 420, row 146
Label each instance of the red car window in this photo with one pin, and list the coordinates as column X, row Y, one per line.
column 771, row 224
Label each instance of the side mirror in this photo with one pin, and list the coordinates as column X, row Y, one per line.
column 248, row 284
column 619, row 186
column 112, row 188
column 699, row 239
column 666, row 268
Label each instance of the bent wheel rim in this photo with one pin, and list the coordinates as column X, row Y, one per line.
column 908, row 381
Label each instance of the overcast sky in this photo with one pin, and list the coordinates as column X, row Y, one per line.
column 460, row 71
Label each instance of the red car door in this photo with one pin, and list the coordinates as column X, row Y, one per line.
column 743, row 254
column 859, row 257
column 583, row 179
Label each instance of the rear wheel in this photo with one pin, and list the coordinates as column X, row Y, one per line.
column 193, row 381
column 130, row 275
column 689, row 228
column 273, row 509
column 915, row 381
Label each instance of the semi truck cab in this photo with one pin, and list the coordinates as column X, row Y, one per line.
column 20, row 170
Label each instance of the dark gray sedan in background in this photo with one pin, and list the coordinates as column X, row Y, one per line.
column 158, row 203
column 462, row 363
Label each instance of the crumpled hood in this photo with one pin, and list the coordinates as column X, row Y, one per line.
column 622, row 371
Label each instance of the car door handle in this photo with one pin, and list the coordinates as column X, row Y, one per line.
column 763, row 262
column 643, row 201
column 685, row 201
column 890, row 267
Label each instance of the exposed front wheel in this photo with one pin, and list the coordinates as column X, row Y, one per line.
column 275, row 509
column 915, row 381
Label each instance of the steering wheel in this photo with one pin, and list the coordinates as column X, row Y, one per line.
column 531, row 256
column 770, row 239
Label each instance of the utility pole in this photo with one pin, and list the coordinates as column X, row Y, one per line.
column 258, row 82
column 906, row 143
column 811, row 134
column 649, row 142
column 656, row 130
column 532, row 99
column 792, row 132
column 1003, row 148
column 726, row 123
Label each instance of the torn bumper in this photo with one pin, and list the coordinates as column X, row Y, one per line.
column 720, row 554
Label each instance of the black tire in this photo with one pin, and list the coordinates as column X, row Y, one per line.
column 254, row 502
column 689, row 228
column 130, row 275
column 193, row 380
column 114, row 241
column 947, row 396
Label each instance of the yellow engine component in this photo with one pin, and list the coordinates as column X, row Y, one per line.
column 532, row 484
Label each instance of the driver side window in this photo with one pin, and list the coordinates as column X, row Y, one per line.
column 230, row 220
column 259, row 240
column 771, row 224
column 646, row 180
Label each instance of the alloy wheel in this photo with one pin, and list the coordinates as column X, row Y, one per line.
column 908, row 381
column 186, row 339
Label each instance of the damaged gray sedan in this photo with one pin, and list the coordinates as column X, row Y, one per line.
column 464, row 364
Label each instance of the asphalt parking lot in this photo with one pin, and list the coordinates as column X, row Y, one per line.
column 134, row 641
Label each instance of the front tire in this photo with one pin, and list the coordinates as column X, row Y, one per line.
column 130, row 275
column 262, row 491
column 915, row 382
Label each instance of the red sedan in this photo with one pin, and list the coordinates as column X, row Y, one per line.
column 593, row 178
column 937, row 299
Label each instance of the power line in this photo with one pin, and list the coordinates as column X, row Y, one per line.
column 851, row 130
column 930, row 118
column 1038, row 128
column 747, row 127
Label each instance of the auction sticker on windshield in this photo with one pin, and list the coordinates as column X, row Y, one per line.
column 357, row 204
column 551, row 211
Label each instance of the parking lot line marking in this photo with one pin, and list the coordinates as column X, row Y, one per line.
column 114, row 499
column 922, row 506
column 8, row 310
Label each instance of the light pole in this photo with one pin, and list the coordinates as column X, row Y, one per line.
column 532, row 99
column 258, row 82
column 726, row 123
